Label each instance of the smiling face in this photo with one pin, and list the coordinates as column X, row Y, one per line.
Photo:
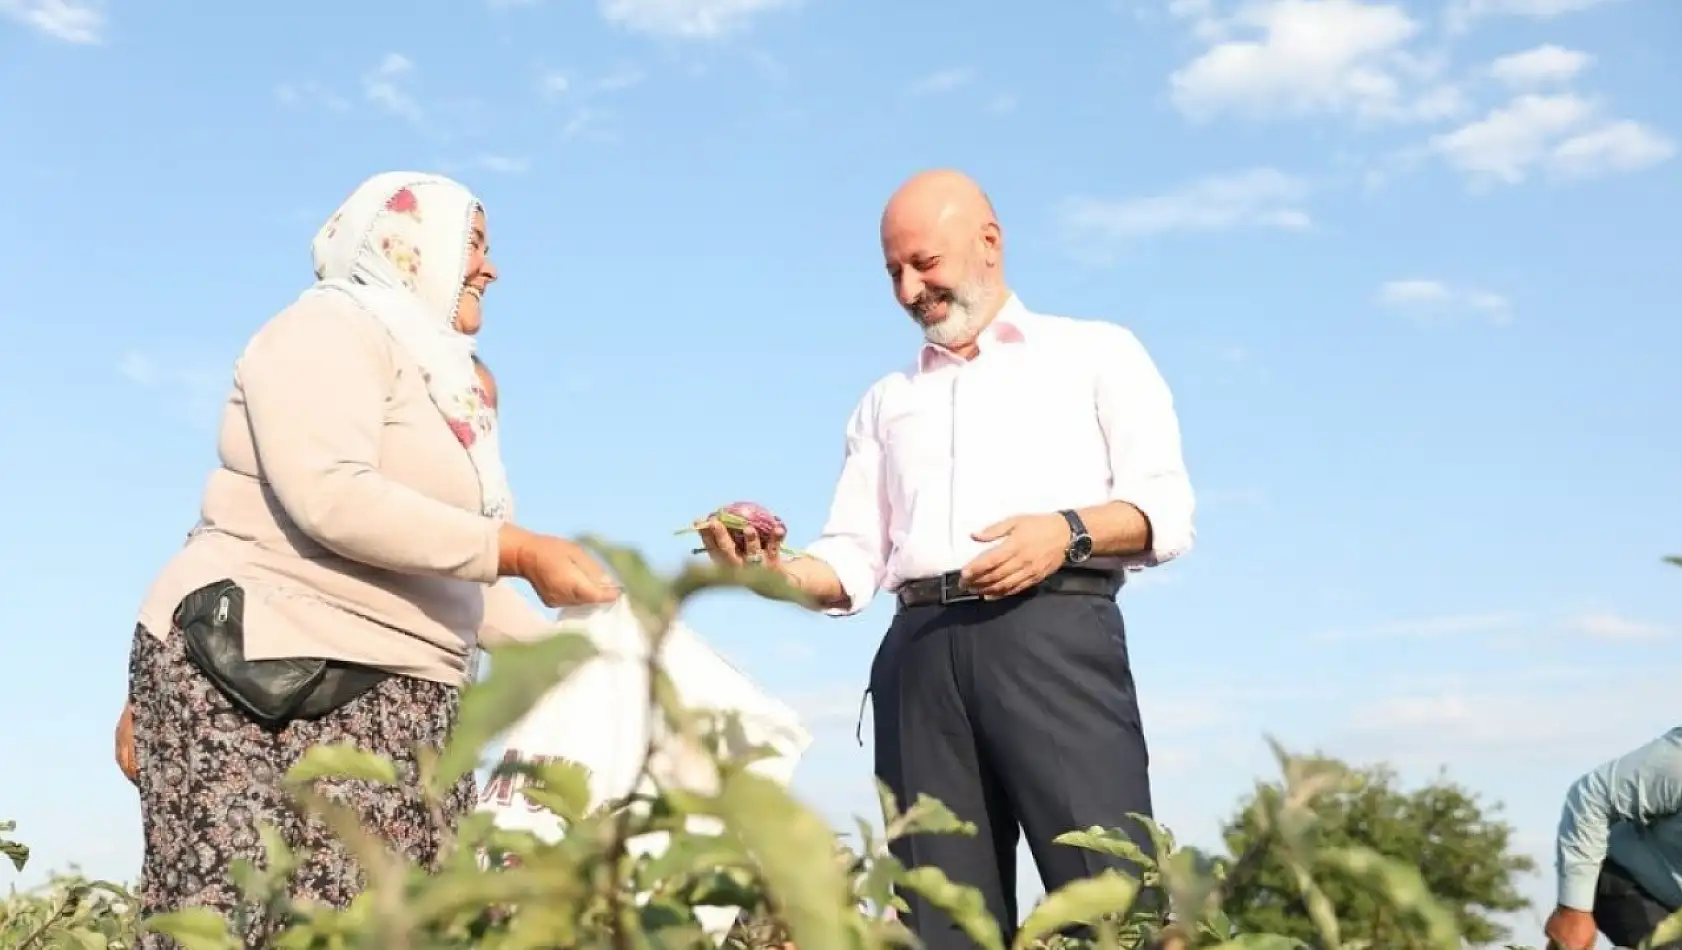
column 480, row 274
column 941, row 282
column 944, row 253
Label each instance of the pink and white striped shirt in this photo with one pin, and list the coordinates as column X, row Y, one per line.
column 1052, row 413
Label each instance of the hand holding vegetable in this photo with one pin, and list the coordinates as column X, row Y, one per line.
column 742, row 533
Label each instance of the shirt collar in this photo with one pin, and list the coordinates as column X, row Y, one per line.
column 1010, row 326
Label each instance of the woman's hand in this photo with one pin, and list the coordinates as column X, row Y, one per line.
column 561, row 571
column 125, row 745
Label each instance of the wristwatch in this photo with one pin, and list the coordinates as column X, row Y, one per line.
column 1080, row 543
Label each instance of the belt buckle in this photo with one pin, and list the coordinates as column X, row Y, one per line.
column 947, row 595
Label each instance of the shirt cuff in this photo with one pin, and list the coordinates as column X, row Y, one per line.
column 858, row 578
column 483, row 567
column 1577, row 885
column 1169, row 517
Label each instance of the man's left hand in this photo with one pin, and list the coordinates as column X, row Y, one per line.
column 1031, row 548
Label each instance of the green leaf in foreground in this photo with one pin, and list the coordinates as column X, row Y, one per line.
column 17, row 853
column 927, row 816
column 195, row 928
column 1261, row 942
column 342, row 761
column 520, row 674
column 650, row 596
column 1110, row 841
column 1402, row 887
column 562, row 787
column 791, row 845
column 964, row 904
column 1668, row 930
column 1079, row 902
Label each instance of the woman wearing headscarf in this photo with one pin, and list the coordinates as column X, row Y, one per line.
column 352, row 545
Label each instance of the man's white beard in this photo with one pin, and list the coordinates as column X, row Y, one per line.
column 964, row 321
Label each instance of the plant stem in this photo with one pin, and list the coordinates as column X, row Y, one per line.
column 46, row 925
column 622, row 825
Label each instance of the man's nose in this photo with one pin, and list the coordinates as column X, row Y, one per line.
column 908, row 288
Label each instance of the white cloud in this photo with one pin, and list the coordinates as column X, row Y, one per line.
column 1511, row 139
column 1562, row 134
column 386, row 87
column 1523, row 721
column 945, row 80
column 1463, row 13
column 1302, row 57
column 1540, row 66
column 503, row 164
column 1446, row 625
column 687, row 19
column 298, row 94
column 193, row 390
column 1622, row 146
column 622, row 78
column 1434, row 301
column 1414, row 291
column 588, row 120
column 1596, row 625
column 67, row 20
column 1610, row 626
column 591, row 125
column 553, row 84
column 1259, row 198
column 140, row 369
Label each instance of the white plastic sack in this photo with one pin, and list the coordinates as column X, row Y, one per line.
column 599, row 719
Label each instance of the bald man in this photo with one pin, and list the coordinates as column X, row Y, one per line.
column 1001, row 486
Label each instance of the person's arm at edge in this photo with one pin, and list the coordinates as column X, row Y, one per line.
column 1641, row 786
column 842, row 570
column 313, row 382
column 1149, row 519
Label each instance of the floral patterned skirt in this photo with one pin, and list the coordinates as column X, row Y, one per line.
column 209, row 777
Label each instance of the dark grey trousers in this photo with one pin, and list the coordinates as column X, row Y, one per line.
column 1625, row 912
column 1022, row 717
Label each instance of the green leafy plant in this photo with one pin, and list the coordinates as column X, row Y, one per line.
column 70, row 911
column 504, row 889
column 1463, row 853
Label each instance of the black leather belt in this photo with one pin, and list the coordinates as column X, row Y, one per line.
column 949, row 589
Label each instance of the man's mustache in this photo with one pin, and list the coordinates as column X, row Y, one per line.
column 926, row 301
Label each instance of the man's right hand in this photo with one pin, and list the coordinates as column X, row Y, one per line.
column 745, row 546
column 561, row 571
column 1570, row 929
column 724, row 548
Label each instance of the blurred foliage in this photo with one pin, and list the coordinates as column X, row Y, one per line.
column 1324, row 858
column 1464, row 856
column 69, row 913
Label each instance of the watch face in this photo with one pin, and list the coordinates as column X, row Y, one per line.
column 1080, row 549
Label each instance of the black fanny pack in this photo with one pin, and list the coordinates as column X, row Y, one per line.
column 211, row 621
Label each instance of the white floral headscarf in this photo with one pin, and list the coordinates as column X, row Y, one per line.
column 398, row 248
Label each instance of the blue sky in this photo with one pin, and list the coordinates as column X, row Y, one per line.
column 1410, row 271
